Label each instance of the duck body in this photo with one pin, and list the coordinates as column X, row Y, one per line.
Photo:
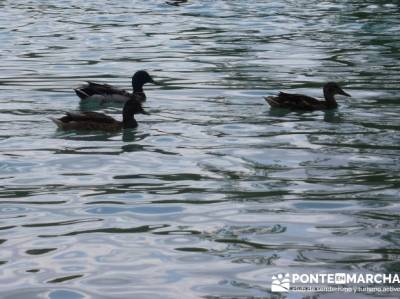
column 109, row 93
column 298, row 102
column 106, row 93
column 305, row 103
column 89, row 121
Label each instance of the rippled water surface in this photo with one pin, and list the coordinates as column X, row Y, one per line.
column 213, row 193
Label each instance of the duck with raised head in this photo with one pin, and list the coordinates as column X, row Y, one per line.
column 303, row 102
column 100, row 121
column 109, row 93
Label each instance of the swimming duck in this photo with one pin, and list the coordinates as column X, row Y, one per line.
column 303, row 102
column 105, row 92
column 101, row 121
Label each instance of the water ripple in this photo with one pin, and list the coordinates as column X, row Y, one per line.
column 214, row 192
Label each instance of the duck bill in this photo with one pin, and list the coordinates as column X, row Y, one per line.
column 144, row 112
column 343, row 93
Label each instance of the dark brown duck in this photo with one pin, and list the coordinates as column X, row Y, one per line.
column 303, row 102
column 100, row 121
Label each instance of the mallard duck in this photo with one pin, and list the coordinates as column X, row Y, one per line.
column 101, row 121
column 105, row 92
column 303, row 102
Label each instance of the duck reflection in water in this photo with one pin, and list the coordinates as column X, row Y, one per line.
column 330, row 116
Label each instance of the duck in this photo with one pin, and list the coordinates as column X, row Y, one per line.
column 176, row 2
column 109, row 93
column 99, row 121
column 306, row 103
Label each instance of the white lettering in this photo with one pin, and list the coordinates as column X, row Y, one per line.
column 346, row 278
column 387, row 278
column 323, row 276
column 378, row 278
column 304, row 278
column 351, row 278
column 360, row 279
column 331, row 278
column 396, row 278
column 295, row 277
column 314, row 278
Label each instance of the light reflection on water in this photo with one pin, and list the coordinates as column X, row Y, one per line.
column 214, row 192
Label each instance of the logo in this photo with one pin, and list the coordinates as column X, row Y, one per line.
column 336, row 282
column 340, row 278
column 280, row 283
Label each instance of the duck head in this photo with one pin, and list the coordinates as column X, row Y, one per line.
column 331, row 89
column 139, row 79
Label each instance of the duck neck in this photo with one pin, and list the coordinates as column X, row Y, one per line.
column 128, row 119
column 137, row 86
column 330, row 100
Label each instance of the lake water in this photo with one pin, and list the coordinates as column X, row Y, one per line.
column 213, row 193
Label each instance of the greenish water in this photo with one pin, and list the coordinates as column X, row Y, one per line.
column 214, row 193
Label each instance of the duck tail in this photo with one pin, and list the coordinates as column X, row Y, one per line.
column 272, row 101
column 80, row 93
column 58, row 122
